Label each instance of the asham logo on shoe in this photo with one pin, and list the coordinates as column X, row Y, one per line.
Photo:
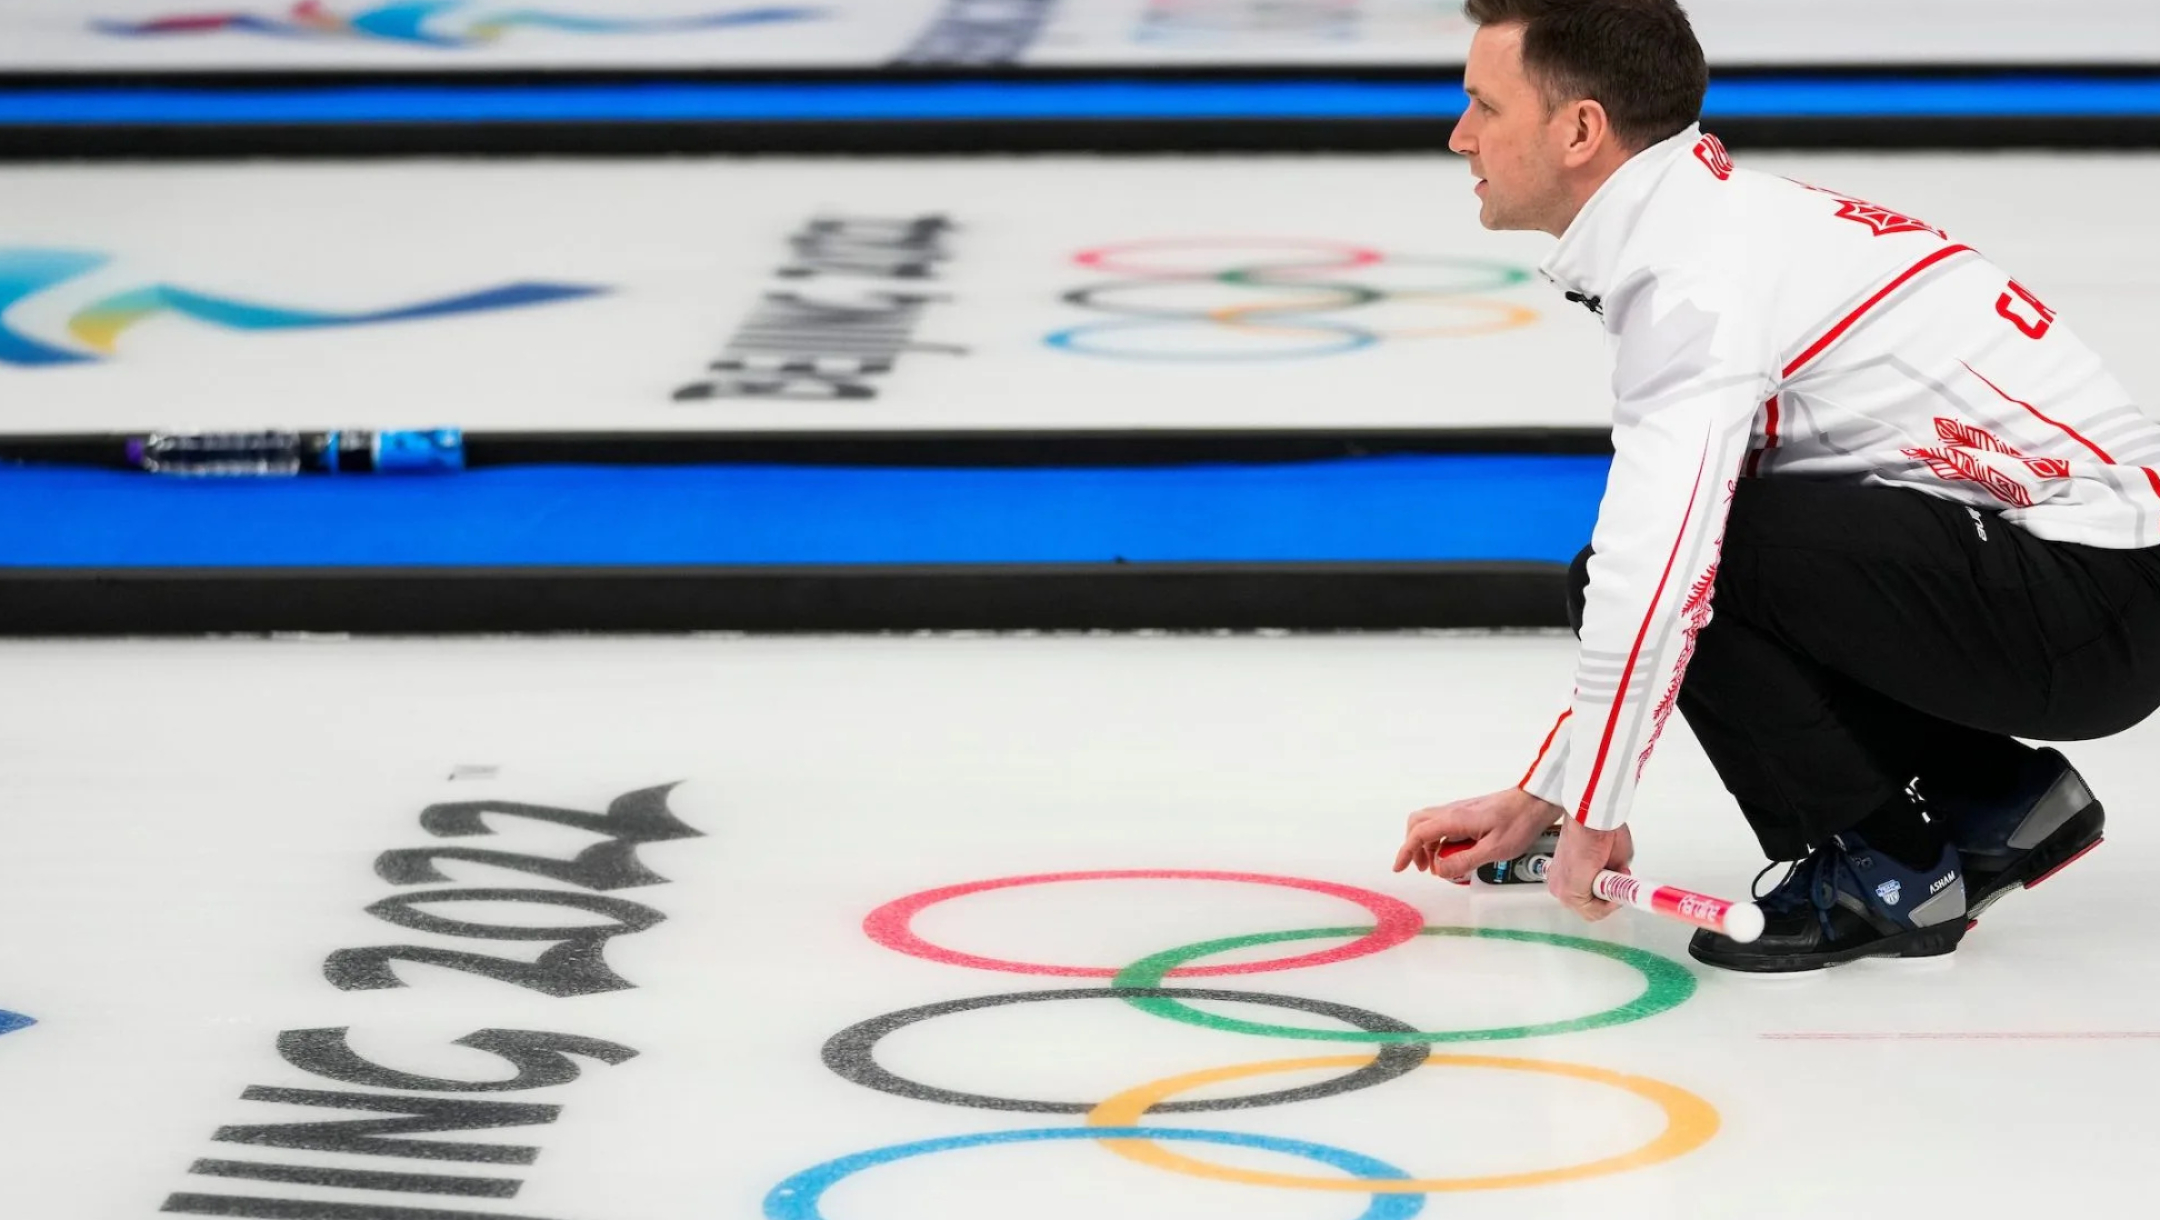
column 1942, row 881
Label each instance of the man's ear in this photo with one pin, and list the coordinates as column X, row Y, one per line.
column 1589, row 132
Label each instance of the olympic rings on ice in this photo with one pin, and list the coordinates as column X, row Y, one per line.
column 1116, row 1122
column 1690, row 1122
column 1666, row 985
column 851, row 1052
column 799, row 1196
column 1396, row 921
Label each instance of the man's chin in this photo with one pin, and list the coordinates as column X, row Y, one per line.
column 1498, row 220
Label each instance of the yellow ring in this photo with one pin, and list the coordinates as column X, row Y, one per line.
column 1512, row 317
column 1690, row 1122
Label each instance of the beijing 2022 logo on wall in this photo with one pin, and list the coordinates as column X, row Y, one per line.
column 12, row 1021
column 95, row 328
column 440, row 23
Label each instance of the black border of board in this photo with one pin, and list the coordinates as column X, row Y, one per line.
column 63, row 142
column 969, row 449
column 1081, row 597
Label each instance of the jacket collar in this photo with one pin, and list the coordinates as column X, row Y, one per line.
column 1586, row 264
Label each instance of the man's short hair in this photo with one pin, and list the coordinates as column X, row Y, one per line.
column 1637, row 58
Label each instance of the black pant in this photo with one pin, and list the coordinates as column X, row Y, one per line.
column 1864, row 638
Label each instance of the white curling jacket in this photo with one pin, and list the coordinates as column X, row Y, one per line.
column 1762, row 327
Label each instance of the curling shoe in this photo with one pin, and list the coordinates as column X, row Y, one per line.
column 2041, row 827
column 1844, row 902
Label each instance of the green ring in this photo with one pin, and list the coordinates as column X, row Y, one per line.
column 1666, row 985
column 1508, row 276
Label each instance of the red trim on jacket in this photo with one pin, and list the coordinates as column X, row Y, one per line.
column 1612, row 719
column 1543, row 750
column 1838, row 331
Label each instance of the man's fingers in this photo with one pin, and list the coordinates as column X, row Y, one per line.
column 1415, row 851
column 1448, row 812
column 1426, row 858
column 1437, row 825
column 1585, row 903
column 1592, row 910
column 1456, row 865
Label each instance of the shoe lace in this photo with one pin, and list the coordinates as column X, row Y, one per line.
column 1808, row 882
column 1786, row 895
column 1755, row 890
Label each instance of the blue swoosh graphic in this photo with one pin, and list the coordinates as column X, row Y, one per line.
column 242, row 315
column 27, row 272
column 23, row 274
column 404, row 23
column 408, row 20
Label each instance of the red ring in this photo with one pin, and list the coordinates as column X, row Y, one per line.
column 1349, row 256
column 1395, row 922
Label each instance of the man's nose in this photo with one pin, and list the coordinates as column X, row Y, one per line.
column 1460, row 140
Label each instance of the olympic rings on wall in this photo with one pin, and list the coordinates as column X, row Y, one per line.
column 1177, row 303
column 1690, row 1122
column 1312, row 256
column 1397, row 921
column 1401, row 1049
column 1666, row 985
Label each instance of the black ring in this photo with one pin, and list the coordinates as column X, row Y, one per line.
column 851, row 1053
column 1356, row 296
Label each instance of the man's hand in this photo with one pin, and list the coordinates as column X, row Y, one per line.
column 1577, row 861
column 1503, row 825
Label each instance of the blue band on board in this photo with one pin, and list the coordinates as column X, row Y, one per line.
column 1428, row 509
column 2004, row 96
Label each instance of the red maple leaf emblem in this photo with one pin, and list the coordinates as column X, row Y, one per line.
column 1881, row 219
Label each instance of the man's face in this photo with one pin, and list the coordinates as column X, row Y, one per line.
column 1510, row 135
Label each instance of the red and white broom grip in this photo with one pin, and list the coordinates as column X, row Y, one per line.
column 1741, row 921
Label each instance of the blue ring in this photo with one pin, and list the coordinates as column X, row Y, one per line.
column 1352, row 339
column 12, row 1021
column 798, row 1197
